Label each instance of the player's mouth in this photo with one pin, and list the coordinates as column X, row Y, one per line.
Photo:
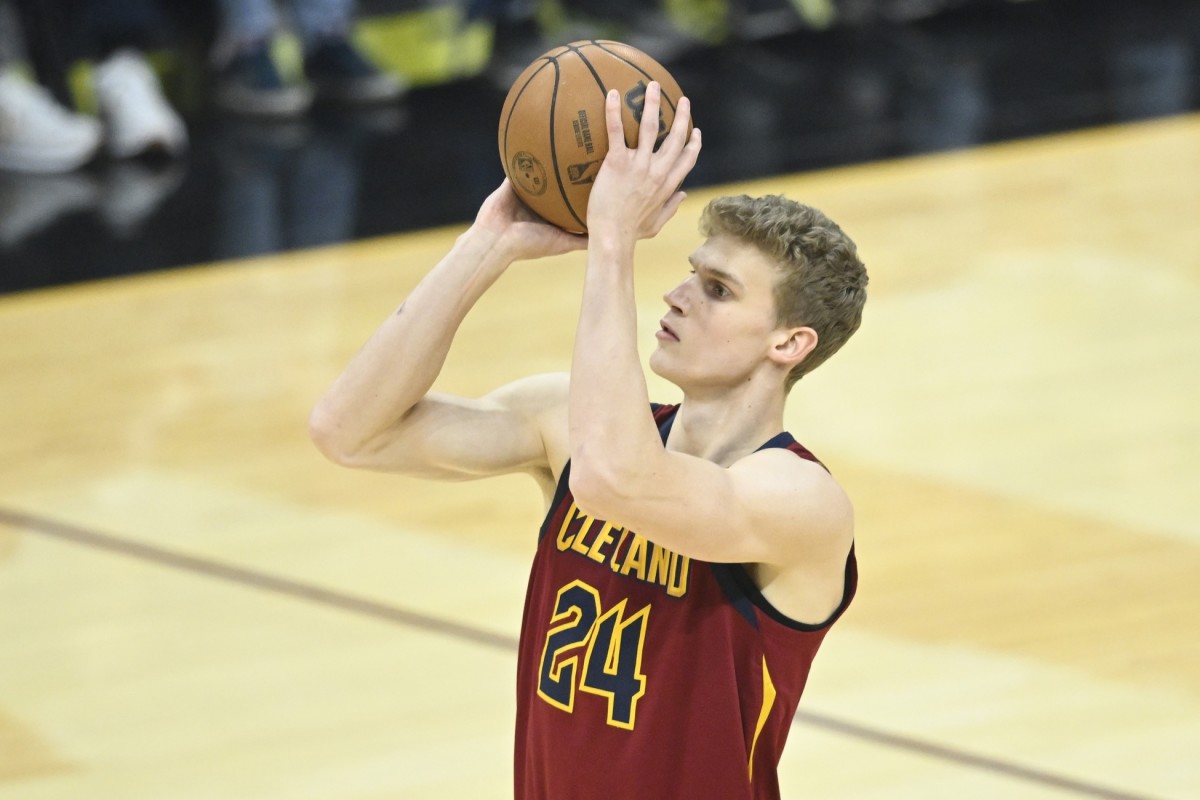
column 665, row 333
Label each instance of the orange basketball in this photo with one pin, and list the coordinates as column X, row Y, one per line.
column 552, row 130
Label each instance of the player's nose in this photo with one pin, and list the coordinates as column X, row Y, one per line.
column 677, row 298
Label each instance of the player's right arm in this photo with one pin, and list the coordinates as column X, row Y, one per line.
column 379, row 414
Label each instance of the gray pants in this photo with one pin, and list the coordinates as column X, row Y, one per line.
column 252, row 20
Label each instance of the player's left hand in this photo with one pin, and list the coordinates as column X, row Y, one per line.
column 637, row 189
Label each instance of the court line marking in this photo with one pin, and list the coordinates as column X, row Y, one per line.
column 359, row 605
column 253, row 579
column 962, row 757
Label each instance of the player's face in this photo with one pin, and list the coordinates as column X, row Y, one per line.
column 719, row 321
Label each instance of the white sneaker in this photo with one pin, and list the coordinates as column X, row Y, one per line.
column 137, row 117
column 39, row 135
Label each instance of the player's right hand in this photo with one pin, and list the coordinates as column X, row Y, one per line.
column 518, row 231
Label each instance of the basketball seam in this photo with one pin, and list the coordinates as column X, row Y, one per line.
column 512, row 109
column 562, row 190
column 591, row 69
column 645, row 74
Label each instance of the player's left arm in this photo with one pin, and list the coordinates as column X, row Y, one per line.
column 770, row 507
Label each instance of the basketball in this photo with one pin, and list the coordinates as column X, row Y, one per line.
column 553, row 135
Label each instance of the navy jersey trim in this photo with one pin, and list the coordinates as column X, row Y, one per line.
column 732, row 580
column 558, row 506
column 748, row 591
column 664, row 417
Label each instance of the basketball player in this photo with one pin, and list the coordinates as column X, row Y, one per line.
column 693, row 556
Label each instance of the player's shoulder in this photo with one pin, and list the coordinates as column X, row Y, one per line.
column 799, row 506
column 540, row 401
column 793, row 482
column 537, row 394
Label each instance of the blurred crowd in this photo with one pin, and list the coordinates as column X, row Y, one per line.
column 270, row 108
column 42, row 131
column 82, row 84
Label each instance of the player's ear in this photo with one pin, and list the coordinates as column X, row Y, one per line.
column 791, row 345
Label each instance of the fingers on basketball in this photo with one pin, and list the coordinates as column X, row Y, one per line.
column 554, row 134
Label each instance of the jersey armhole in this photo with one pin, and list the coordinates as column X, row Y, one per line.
column 740, row 589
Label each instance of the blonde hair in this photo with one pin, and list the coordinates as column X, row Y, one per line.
column 823, row 284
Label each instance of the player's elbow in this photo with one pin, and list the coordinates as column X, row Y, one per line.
column 596, row 487
column 326, row 433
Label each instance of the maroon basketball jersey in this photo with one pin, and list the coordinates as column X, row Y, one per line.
column 646, row 675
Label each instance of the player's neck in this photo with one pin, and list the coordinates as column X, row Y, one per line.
column 724, row 428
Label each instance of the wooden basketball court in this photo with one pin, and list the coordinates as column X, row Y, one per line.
column 193, row 604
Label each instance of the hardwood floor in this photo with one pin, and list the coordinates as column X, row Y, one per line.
column 194, row 605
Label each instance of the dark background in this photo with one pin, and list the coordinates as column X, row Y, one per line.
column 772, row 93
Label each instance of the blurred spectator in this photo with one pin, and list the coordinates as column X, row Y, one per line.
column 113, row 35
column 137, row 117
column 249, row 81
column 37, row 133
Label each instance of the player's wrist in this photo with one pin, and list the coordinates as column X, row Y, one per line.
column 611, row 236
column 613, row 244
column 486, row 245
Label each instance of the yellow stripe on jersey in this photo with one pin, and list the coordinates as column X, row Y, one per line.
column 768, row 695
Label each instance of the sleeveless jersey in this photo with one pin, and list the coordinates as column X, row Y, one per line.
column 647, row 675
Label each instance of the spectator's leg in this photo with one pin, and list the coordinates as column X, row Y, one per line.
column 336, row 68
column 247, row 22
column 247, row 78
column 43, row 26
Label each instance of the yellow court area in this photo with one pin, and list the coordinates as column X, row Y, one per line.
column 193, row 604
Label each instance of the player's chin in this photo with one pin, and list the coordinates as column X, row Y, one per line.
column 661, row 363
